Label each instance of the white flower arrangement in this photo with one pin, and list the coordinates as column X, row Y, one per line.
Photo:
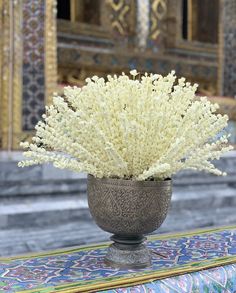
column 136, row 128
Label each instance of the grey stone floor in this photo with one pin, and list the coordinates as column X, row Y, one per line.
column 42, row 208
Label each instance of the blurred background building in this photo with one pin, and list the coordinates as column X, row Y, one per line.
column 46, row 44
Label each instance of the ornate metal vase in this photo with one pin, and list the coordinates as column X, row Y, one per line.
column 129, row 210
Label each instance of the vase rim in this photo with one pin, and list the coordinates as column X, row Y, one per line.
column 128, row 182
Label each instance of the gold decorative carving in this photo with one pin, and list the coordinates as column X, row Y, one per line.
column 158, row 13
column 50, row 49
column 11, row 67
column 190, row 20
column 11, row 46
column 74, row 28
column 17, row 76
column 76, row 10
column 6, row 77
column 123, row 16
column 11, row 74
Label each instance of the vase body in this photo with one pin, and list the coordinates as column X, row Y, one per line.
column 129, row 210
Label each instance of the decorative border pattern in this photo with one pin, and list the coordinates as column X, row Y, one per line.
column 17, row 75
column 122, row 16
column 158, row 13
column 220, row 279
column 84, row 58
column 11, row 61
column 83, row 270
column 6, row 54
column 18, row 26
column 50, row 37
column 33, row 63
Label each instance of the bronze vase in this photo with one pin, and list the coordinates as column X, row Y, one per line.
column 129, row 210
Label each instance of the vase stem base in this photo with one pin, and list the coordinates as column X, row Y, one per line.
column 128, row 254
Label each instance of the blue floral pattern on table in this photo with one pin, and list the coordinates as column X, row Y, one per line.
column 180, row 263
column 216, row 280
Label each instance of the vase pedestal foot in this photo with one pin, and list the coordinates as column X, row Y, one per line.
column 128, row 252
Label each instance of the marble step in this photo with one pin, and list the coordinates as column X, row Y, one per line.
column 36, row 180
column 43, row 210
column 10, row 172
column 22, row 240
column 200, row 196
column 79, row 186
column 42, row 187
column 46, row 179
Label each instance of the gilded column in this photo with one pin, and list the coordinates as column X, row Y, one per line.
column 50, row 37
column 142, row 28
column 158, row 25
column 27, row 66
column 16, row 104
column 7, row 48
column 122, row 18
column 227, row 48
column 33, row 94
column 39, row 58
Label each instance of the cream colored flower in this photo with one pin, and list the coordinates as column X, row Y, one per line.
column 134, row 72
column 129, row 128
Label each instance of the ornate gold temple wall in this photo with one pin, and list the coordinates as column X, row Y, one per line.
column 27, row 64
column 146, row 35
column 43, row 47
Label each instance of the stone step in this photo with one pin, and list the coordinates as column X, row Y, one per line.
column 42, row 210
column 46, row 179
column 42, row 187
column 79, row 232
column 200, row 196
column 227, row 163
column 36, row 180
column 194, row 178
column 10, row 172
column 196, row 219
column 68, row 186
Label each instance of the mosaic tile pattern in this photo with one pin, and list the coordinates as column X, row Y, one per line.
column 33, row 62
column 71, row 57
column 221, row 279
column 229, row 47
column 83, row 269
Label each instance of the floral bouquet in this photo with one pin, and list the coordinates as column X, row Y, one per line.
column 147, row 127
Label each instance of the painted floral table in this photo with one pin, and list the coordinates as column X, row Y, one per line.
column 200, row 261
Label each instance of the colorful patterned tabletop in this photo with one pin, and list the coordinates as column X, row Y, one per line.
column 200, row 261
